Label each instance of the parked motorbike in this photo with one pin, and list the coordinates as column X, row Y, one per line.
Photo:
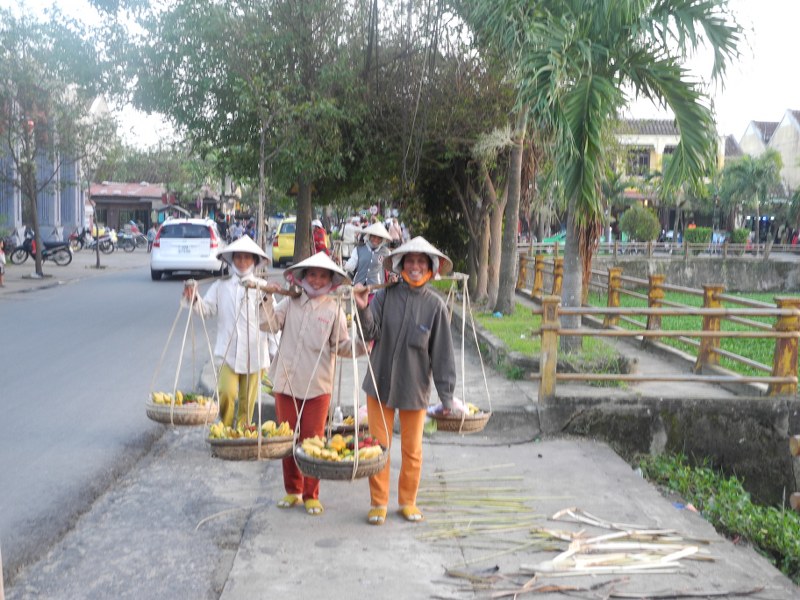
column 106, row 243
column 59, row 252
column 129, row 243
column 78, row 241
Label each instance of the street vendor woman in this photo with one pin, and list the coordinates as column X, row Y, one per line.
column 241, row 347
column 366, row 262
column 409, row 325
column 313, row 330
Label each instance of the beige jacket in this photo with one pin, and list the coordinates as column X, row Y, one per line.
column 312, row 332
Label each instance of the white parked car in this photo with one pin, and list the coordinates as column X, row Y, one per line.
column 188, row 245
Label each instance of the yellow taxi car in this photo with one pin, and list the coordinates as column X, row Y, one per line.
column 283, row 242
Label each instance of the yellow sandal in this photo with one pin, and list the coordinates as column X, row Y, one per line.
column 314, row 507
column 412, row 513
column 289, row 500
column 376, row 515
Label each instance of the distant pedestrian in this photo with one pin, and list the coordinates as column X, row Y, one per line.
column 395, row 232
column 2, row 263
column 151, row 237
column 320, row 245
column 365, row 265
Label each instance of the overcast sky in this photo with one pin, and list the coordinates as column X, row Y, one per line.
column 761, row 86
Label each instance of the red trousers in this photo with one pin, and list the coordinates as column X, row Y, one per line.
column 312, row 422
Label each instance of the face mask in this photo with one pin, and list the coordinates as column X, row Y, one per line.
column 313, row 293
column 248, row 271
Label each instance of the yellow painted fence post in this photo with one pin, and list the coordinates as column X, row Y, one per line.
column 548, row 360
column 784, row 364
column 558, row 274
column 706, row 355
column 614, row 283
column 655, row 295
column 537, row 291
column 523, row 272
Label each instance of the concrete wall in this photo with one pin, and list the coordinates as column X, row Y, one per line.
column 737, row 274
column 747, row 437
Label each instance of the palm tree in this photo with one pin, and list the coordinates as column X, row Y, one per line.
column 750, row 182
column 578, row 64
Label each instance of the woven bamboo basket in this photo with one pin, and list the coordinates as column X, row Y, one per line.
column 461, row 423
column 345, row 429
column 247, row 448
column 186, row 414
column 326, row 469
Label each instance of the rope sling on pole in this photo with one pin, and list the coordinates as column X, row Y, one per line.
column 188, row 414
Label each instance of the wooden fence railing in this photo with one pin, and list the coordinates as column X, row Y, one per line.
column 782, row 374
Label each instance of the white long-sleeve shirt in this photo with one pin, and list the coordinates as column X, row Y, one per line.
column 240, row 343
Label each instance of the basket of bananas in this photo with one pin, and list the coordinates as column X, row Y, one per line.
column 273, row 441
column 340, row 457
column 464, row 418
column 182, row 408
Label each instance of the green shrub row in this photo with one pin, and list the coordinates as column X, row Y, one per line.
column 725, row 504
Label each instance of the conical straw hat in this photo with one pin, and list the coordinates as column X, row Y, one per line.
column 441, row 264
column 377, row 229
column 243, row 244
column 321, row 260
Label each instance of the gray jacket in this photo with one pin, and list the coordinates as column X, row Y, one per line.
column 412, row 337
column 367, row 264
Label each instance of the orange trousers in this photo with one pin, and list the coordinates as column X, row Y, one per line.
column 412, row 423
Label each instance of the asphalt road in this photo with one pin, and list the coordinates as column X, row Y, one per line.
column 83, row 351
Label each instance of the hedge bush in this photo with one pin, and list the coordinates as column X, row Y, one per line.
column 739, row 236
column 640, row 223
column 697, row 235
column 774, row 532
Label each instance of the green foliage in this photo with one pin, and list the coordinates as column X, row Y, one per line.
column 751, row 181
column 697, row 235
column 740, row 235
column 640, row 223
column 518, row 333
column 725, row 504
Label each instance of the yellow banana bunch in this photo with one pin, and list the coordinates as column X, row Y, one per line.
column 180, row 398
column 161, row 398
column 272, row 429
column 369, row 452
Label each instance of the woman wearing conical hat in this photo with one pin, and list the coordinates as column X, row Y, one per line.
column 366, row 262
column 313, row 328
column 412, row 342
column 240, row 346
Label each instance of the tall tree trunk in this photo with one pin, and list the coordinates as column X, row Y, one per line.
column 572, row 283
column 29, row 185
column 480, row 293
column 302, row 237
column 508, row 265
column 495, row 246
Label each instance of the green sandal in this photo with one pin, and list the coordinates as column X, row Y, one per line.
column 289, row 500
column 314, row 507
column 412, row 513
column 376, row 515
